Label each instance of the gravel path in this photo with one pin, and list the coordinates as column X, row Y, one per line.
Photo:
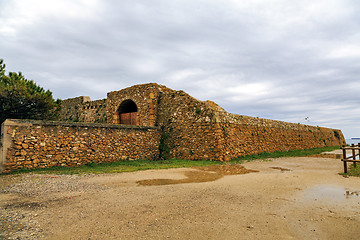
column 26, row 196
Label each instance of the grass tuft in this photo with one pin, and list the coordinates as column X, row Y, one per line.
column 352, row 171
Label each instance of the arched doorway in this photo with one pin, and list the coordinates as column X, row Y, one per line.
column 127, row 113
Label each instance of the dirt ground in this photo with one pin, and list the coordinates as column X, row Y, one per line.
column 286, row 198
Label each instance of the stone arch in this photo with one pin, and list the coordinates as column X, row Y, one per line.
column 127, row 113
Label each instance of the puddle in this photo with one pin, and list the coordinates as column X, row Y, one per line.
column 281, row 169
column 350, row 194
column 330, row 193
column 201, row 174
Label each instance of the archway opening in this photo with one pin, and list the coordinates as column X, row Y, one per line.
column 127, row 113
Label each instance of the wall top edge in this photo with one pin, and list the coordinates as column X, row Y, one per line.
column 29, row 122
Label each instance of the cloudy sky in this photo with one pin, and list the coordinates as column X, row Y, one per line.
column 296, row 61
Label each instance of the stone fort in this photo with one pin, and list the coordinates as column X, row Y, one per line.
column 149, row 121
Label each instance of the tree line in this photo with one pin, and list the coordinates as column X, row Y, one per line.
column 21, row 98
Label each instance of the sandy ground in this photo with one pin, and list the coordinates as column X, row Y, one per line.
column 288, row 198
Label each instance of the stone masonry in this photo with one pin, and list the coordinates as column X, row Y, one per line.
column 38, row 144
column 168, row 124
column 193, row 129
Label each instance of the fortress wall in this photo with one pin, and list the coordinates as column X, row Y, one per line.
column 189, row 132
column 82, row 109
column 186, row 128
column 94, row 112
column 71, row 109
column 192, row 141
column 145, row 97
column 193, row 129
column 243, row 139
column 39, row 144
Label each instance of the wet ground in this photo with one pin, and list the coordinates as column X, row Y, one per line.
column 200, row 174
column 331, row 193
column 287, row 198
column 281, row 169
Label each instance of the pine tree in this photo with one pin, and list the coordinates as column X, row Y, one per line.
column 24, row 99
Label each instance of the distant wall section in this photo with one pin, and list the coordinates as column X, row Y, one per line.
column 82, row 109
column 254, row 136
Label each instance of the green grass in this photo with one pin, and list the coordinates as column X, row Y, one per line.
column 138, row 165
column 353, row 171
column 123, row 166
column 291, row 153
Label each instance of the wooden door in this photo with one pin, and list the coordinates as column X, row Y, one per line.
column 128, row 118
column 133, row 118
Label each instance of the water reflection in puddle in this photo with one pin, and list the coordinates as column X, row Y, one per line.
column 281, row 169
column 350, row 194
column 200, row 174
column 330, row 193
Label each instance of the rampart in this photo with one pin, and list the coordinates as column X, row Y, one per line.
column 82, row 109
column 194, row 129
column 39, row 144
column 165, row 124
column 144, row 96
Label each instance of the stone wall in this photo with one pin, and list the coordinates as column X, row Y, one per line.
column 94, row 112
column 194, row 129
column 145, row 97
column 171, row 124
column 72, row 108
column 245, row 139
column 38, row 144
column 82, row 109
column 189, row 132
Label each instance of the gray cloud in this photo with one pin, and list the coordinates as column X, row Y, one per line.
column 274, row 59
